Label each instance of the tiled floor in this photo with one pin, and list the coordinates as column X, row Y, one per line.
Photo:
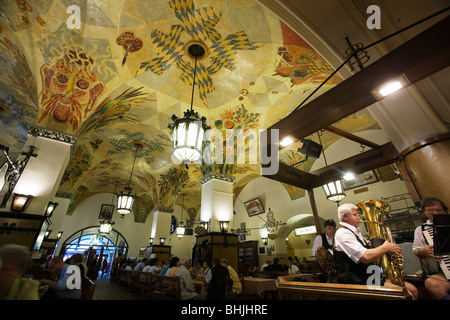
column 107, row 290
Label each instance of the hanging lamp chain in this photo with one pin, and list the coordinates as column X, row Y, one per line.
column 193, row 85
column 132, row 168
column 323, row 150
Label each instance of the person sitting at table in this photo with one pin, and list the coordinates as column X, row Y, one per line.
column 207, row 273
column 252, row 268
column 292, row 268
column 219, row 276
column 14, row 261
column 188, row 291
column 198, row 269
column 68, row 285
column 237, row 285
column 275, row 266
column 266, row 264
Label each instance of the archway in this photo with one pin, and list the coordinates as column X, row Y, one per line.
column 95, row 247
column 299, row 245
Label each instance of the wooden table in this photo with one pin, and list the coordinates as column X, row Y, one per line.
column 259, row 285
column 200, row 287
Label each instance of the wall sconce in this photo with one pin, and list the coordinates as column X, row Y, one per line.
column 47, row 233
column 265, row 241
column 50, row 208
column 204, row 224
column 59, row 235
column 20, row 202
column 224, row 226
column 150, row 241
column 162, row 241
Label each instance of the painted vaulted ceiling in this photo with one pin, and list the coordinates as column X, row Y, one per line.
column 117, row 78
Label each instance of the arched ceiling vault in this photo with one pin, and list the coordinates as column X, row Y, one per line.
column 118, row 77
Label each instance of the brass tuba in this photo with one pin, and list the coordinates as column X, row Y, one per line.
column 374, row 212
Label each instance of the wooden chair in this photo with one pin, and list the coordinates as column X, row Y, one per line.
column 165, row 288
column 87, row 289
column 142, row 285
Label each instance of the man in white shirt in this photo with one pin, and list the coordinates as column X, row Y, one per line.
column 188, row 291
column 292, row 268
column 436, row 283
column 325, row 239
column 353, row 254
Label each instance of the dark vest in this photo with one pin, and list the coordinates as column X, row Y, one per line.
column 325, row 243
column 347, row 270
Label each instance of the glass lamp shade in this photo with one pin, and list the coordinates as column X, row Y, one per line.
column 125, row 201
column 187, row 136
column 105, row 227
column 224, row 226
column 180, row 230
column 20, row 202
column 334, row 191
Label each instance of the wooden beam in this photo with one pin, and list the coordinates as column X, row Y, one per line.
column 362, row 162
column 351, row 136
column 418, row 58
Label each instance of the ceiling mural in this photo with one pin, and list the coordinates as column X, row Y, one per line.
column 115, row 82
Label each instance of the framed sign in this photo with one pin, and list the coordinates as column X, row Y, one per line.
column 254, row 207
column 106, row 212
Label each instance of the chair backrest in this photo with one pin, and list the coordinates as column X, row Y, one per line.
column 87, row 289
column 327, row 264
column 166, row 286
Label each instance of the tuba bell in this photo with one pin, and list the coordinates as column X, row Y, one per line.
column 374, row 212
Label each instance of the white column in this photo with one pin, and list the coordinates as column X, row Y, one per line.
column 42, row 174
column 217, row 200
column 161, row 225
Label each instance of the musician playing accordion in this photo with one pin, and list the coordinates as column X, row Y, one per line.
column 434, row 267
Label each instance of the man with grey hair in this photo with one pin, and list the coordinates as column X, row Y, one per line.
column 352, row 252
column 14, row 261
column 188, row 291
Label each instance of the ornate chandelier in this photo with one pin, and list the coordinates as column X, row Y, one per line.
column 187, row 132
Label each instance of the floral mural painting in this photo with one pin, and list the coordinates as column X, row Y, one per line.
column 170, row 185
column 70, row 89
column 240, row 121
column 299, row 62
column 200, row 25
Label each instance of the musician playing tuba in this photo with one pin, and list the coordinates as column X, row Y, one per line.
column 353, row 253
column 436, row 283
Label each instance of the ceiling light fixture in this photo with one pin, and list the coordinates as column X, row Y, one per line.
column 187, row 132
column 125, row 199
column 106, row 227
column 349, row 176
column 390, row 87
column 286, row 141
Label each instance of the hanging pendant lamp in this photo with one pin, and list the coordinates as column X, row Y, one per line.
column 334, row 190
column 126, row 198
column 187, row 132
column 181, row 228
